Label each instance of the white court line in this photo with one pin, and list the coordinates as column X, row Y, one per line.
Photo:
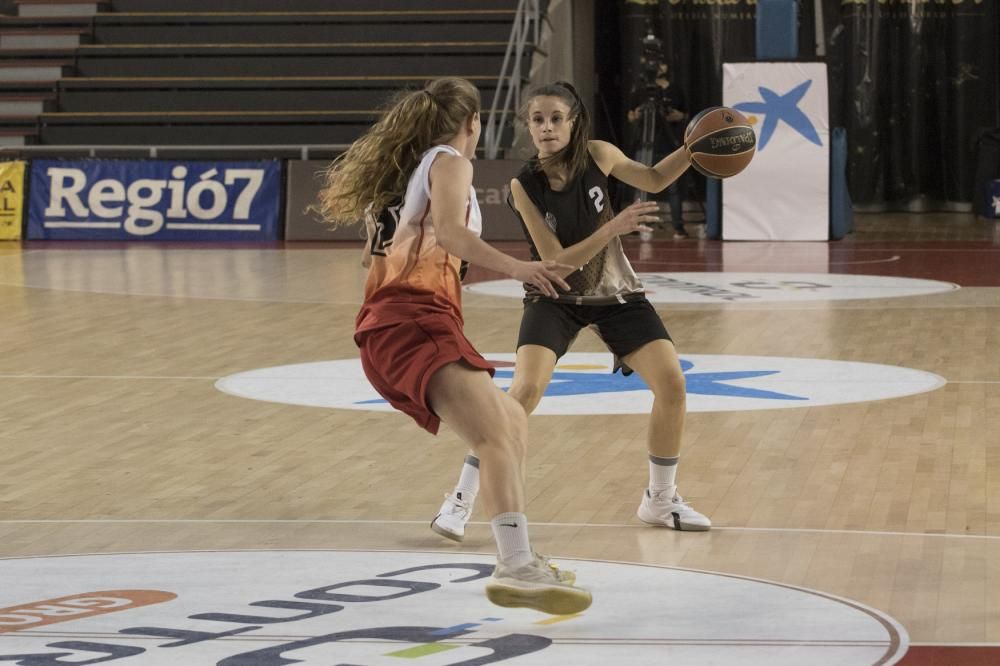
column 184, row 377
column 113, row 377
column 768, row 265
column 189, row 297
column 974, row 381
column 956, row 644
column 510, row 302
column 345, row 521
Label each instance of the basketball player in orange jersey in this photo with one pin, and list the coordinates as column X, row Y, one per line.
column 561, row 196
column 410, row 175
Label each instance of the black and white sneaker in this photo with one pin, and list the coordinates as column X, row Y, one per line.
column 659, row 509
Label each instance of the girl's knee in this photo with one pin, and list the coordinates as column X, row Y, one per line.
column 671, row 385
column 528, row 393
column 507, row 431
column 517, row 421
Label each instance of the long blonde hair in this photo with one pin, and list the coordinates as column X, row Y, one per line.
column 376, row 168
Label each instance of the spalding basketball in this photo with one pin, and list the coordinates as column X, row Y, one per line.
column 720, row 141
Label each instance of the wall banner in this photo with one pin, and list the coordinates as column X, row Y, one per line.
column 11, row 199
column 154, row 200
column 303, row 223
column 491, row 178
column 785, row 192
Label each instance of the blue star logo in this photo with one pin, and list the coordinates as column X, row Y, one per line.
column 775, row 107
column 701, row 383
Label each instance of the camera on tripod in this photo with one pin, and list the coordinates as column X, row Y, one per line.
column 651, row 65
column 652, row 80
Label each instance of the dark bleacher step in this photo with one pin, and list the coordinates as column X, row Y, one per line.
column 43, row 37
column 38, row 56
column 251, row 82
column 235, row 127
column 23, row 22
column 291, row 28
column 34, row 70
column 372, row 59
column 219, row 128
column 10, row 121
column 11, row 138
column 231, row 116
column 27, row 86
column 35, row 8
column 189, row 6
column 18, row 129
column 26, row 103
column 249, row 93
column 393, row 48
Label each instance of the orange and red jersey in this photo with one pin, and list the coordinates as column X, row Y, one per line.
column 408, row 267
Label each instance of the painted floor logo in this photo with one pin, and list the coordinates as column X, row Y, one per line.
column 316, row 608
column 755, row 287
column 583, row 384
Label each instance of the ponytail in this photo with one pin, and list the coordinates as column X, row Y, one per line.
column 375, row 170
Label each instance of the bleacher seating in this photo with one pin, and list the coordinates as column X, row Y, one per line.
column 231, row 72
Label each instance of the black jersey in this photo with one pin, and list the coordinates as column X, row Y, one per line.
column 573, row 214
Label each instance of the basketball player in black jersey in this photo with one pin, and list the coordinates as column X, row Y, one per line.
column 561, row 197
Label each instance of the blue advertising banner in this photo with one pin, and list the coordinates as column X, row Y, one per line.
column 154, row 200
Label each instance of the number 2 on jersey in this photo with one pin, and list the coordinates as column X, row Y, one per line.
column 597, row 194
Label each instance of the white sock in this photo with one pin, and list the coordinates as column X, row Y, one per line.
column 468, row 480
column 511, row 533
column 662, row 475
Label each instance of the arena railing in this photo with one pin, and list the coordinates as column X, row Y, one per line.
column 154, row 152
column 525, row 32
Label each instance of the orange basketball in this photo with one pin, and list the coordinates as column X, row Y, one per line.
column 720, row 141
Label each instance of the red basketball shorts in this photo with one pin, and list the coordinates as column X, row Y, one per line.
column 399, row 360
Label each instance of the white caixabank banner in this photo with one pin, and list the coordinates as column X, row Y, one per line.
column 784, row 194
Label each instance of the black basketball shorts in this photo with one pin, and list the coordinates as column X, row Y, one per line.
column 624, row 327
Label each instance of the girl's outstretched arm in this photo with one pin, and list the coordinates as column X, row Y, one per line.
column 451, row 178
column 613, row 162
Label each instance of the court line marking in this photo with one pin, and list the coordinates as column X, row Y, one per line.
column 113, row 377
column 513, row 303
column 974, row 381
column 347, row 521
column 188, row 297
column 480, row 636
column 770, row 265
column 948, row 644
column 206, row 378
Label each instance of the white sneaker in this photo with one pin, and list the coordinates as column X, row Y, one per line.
column 453, row 515
column 659, row 509
column 564, row 575
column 536, row 585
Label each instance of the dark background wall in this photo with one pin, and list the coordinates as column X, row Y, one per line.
column 915, row 84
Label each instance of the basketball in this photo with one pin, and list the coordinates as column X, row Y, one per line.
column 720, row 141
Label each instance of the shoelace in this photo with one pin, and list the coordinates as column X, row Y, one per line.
column 547, row 562
column 676, row 499
column 460, row 505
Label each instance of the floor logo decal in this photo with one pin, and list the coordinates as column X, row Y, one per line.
column 317, row 608
column 583, row 384
column 755, row 287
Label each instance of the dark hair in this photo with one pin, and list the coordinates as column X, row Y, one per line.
column 573, row 157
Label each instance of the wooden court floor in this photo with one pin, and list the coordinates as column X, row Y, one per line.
column 114, row 438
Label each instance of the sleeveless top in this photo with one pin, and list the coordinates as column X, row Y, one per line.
column 408, row 265
column 573, row 214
